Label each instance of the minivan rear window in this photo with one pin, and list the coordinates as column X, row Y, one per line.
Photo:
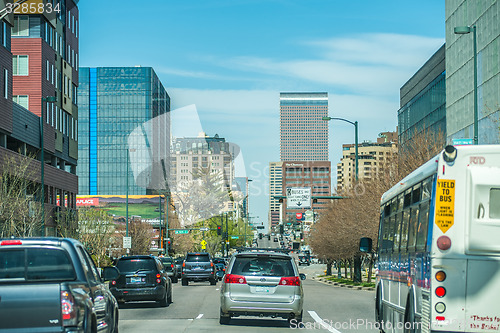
column 264, row 266
column 35, row 264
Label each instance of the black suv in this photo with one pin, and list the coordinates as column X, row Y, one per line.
column 142, row 278
column 198, row 266
column 170, row 268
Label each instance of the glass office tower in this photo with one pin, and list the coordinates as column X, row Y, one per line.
column 115, row 102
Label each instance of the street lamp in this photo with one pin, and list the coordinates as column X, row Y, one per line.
column 48, row 99
column 246, row 213
column 126, row 201
column 355, row 139
column 463, row 31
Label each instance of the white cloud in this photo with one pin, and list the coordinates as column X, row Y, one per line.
column 376, row 64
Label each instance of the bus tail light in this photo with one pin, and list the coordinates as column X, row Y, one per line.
column 444, row 243
column 440, row 276
column 440, row 307
column 440, row 291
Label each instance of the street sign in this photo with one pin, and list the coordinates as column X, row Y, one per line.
column 204, row 229
column 234, row 237
column 127, row 242
column 460, row 142
column 203, row 244
column 298, row 197
column 181, row 232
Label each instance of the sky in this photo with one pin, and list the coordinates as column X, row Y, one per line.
column 229, row 60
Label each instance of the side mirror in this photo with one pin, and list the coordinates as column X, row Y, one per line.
column 365, row 245
column 302, row 276
column 110, row 273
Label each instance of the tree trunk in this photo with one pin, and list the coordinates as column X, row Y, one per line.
column 369, row 277
column 356, row 277
column 329, row 263
column 345, row 261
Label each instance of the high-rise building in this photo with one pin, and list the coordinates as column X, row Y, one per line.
column 371, row 160
column 315, row 175
column 483, row 17
column 39, row 56
column 203, row 152
column 275, row 189
column 303, row 133
column 423, row 100
column 124, row 125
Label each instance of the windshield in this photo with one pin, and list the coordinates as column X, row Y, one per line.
column 36, row 264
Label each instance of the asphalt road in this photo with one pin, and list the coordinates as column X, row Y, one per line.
column 195, row 308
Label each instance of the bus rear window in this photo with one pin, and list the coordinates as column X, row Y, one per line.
column 495, row 203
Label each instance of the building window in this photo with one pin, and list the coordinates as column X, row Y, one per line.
column 5, row 83
column 4, row 34
column 20, row 64
column 21, row 26
column 22, row 100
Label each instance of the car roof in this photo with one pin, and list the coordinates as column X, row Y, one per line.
column 136, row 257
column 262, row 253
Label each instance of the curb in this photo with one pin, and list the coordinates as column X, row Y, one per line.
column 336, row 284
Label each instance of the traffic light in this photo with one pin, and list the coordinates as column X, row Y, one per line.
column 219, row 230
column 282, row 228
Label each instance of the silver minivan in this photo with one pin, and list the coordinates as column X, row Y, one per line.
column 264, row 284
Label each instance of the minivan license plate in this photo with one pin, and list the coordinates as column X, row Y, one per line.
column 261, row 289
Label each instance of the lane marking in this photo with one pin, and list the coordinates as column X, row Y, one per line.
column 199, row 316
column 320, row 321
column 217, row 289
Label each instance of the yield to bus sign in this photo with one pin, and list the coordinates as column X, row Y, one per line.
column 445, row 204
column 298, row 197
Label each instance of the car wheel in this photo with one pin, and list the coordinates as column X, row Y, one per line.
column 224, row 319
column 169, row 297
column 164, row 301
column 185, row 282
column 115, row 326
column 213, row 282
column 298, row 319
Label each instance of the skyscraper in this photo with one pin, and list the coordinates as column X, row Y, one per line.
column 275, row 189
column 124, row 121
column 303, row 133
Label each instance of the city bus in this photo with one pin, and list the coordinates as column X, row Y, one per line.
column 438, row 267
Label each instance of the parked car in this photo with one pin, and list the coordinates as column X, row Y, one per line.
column 169, row 265
column 142, row 278
column 198, row 266
column 52, row 285
column 263, row 284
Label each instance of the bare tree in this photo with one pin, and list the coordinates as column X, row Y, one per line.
column 20, row 204
column 96, row 230
column 336, row 235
